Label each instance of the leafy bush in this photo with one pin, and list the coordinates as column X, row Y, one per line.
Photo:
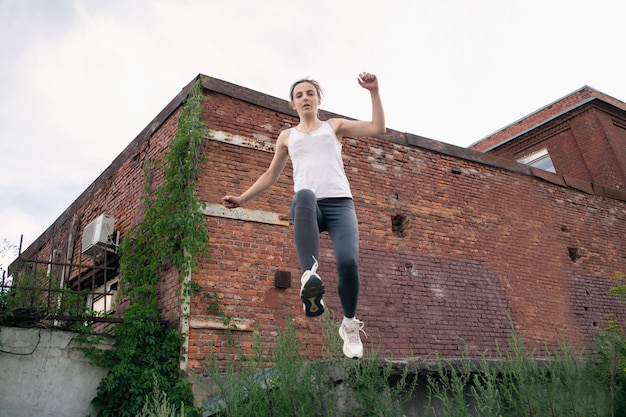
column 513, row 382
column 145, row 354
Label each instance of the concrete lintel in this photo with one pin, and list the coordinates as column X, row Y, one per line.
column 218, row 323
column 243, row 141
column 259, row 216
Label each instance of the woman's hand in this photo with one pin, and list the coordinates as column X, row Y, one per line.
column 231, row 202
column 368, row 81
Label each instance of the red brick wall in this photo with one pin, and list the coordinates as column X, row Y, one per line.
column 116, row 192
column 587, row 144
column 553, row 109
column 479, row 242
column 120, row 196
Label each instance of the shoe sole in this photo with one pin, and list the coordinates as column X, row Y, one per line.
column 311, row 296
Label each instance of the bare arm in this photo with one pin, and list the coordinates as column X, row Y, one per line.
column 376, row 126
column 267, row 179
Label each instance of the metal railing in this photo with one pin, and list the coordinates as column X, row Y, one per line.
column 31, row 292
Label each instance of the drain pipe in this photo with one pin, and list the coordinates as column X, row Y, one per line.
column 69, row 255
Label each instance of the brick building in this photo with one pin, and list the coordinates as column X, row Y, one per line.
column 454, row 242
column 581, row 135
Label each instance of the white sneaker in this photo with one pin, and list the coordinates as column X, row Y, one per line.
column 312, row 291
column 352, row 345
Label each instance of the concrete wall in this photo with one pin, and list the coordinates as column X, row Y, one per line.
column 43, row 374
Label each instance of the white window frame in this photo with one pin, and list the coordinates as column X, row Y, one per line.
column 536, row 157
column 103, row 296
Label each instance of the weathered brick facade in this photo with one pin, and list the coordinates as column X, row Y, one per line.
column 584, row 133
column 453, row 241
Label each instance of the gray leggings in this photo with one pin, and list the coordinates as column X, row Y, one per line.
column 338, row 217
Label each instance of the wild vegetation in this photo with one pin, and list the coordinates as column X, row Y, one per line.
column 511, row 381
column 171, row 234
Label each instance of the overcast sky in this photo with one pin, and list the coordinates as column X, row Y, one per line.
column 80, row 79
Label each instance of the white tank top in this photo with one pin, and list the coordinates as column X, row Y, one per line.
column 317, row 163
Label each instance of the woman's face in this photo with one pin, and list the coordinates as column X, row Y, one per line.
column 305, row 98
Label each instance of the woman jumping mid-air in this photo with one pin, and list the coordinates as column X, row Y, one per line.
column 322, row 200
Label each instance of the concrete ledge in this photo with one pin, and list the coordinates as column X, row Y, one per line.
column 580, row 185
column 244, row 141
column 218, row 323
column 259, row 216
column 609, row 192
column 548, row 176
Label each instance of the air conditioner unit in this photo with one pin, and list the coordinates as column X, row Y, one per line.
column 98, row 235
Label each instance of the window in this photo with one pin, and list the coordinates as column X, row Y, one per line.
column 102, row 300
column 540, row 159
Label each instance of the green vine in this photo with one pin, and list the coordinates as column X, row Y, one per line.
column 172, row 233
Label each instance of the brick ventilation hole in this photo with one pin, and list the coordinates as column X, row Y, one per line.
column 573, row 254
column 399, row 225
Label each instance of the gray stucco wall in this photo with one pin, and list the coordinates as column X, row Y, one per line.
column 43, row 373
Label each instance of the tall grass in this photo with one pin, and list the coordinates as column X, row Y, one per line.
column 516, row 383
column 295, row 386
column 511, row 382
column 159, row 405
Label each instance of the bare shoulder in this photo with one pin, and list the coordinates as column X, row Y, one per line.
column 283, row 139
column 283, row 136
column 336, row 123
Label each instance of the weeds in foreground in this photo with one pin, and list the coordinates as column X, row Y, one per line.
column 512, row 383
column 517, row 384
column 159, row 405
column 296, row 386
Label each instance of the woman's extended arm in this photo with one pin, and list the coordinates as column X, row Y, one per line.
column 376, row 126
column 267, row 179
